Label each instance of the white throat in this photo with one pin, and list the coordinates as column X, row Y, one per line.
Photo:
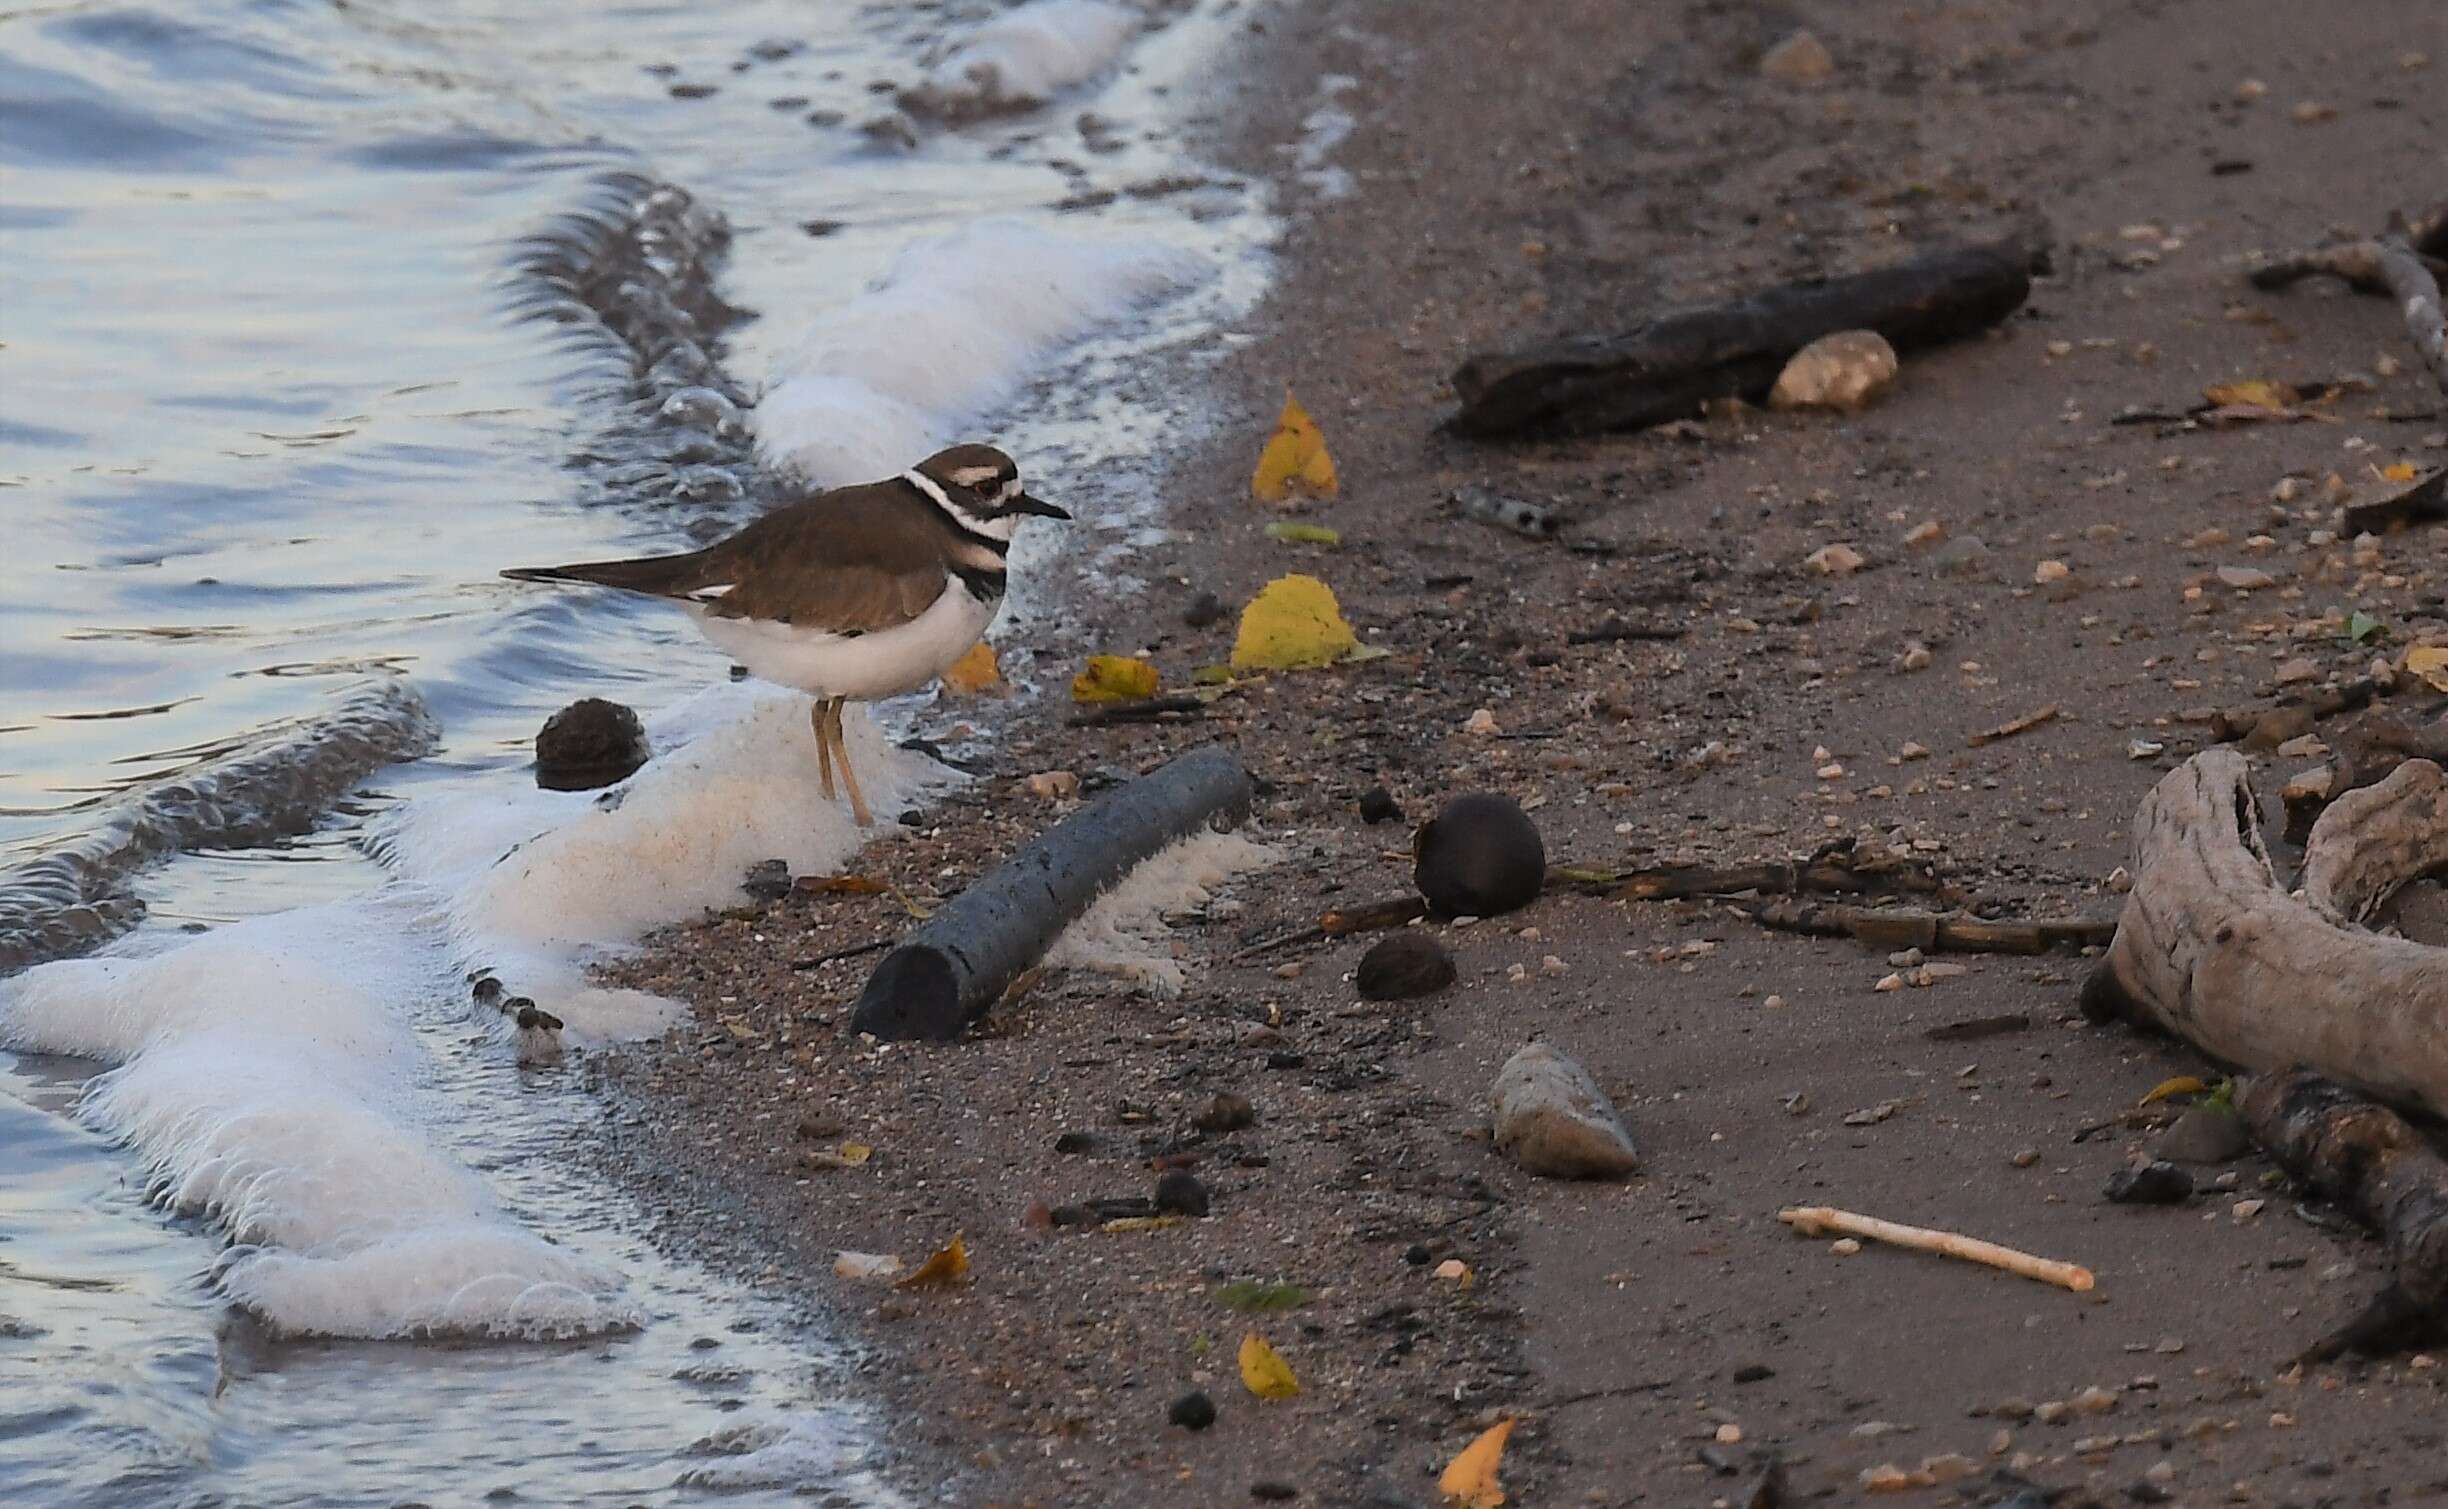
column 999, row 527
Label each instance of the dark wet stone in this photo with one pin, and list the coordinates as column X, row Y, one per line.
column 1417, row 1254
column 1284, row 1058
column 1226, row 1113
column 486, row 991
column 1192, row 1411
column 1377, row 805
column 1754, row 1372
column 1478, row 857
column 767, row 880
column 588, row 744
column 1272, row 1491
column 1402, row 966
column 1204, row 609
column 2205, row 1134
column 1179, row 1193
column 2159, row 1183
column 1072, row 1215
column 1076, row 1142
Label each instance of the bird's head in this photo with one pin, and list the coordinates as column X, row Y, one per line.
column 982, row 487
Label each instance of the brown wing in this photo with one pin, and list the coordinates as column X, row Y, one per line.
column 851, row 561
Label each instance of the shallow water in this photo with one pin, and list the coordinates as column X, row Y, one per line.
column 275, row 406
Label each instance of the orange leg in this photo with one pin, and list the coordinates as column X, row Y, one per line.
column 841, row 749
column 824, row 748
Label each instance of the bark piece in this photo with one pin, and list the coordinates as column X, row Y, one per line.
column 1552, row 1119
column 951, row 969
column 1933, row 932
column 1668, row 368
column 2212, row 949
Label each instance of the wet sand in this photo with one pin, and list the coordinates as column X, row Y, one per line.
column 1514, row 177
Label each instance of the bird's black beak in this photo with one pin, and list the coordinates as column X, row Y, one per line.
column 1038, row 506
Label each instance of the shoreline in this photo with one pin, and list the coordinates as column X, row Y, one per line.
column 1569, row 177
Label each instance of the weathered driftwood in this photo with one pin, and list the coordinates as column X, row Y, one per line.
column 2403, row 262
column 2214, row 950
column 2370, row 1160
column 952, row 968
column 1933, row 932
column 2421, row 501
column 1671, row 366
column 2264, row 727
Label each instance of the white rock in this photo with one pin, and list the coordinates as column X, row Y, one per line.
column 1845, row 372
column 1834, row 560
column 1552, row 1119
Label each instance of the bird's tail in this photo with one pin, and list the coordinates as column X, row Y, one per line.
column 656, row 573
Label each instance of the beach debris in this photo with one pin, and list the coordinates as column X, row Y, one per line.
column 1454, row 1271
column 767, row 880
column 1293, row 624
column 1800, row 58
column 1469, row 1480
column 2212, row 948
column 1114, row 678
column 1179, row 1193
column 2156, row 1183
column 1053, row 785
column 589, row 744
column 1480, row 856
column 975, row 673
column 1226, row 1113
column 947, row 1266
column 1192, row 1411
column 1484, row 505
column 1377, row 805
column 861, row 1267
column 2014, row 726
column 1253, row 1298
column 1932, row 932
column 1671, row 367
column 1294, row 462
column 2207, row 1133
column 2419, row 498
column 952, row 968
column 1203, row 610
column 847, row 1155
column 2428, row 663
column 2398, row 263
column 1292, row 532
column 1263, row 1370
column 539, row 1035
column 1833, row 560
column 1551, row 1118
column 2182, row 1084
column 1820, row 1220
column 1404, row 966
column 1844, row 373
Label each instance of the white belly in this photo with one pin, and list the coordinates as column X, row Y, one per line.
column 863, row 667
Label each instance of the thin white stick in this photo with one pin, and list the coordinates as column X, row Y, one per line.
column 1818, row 1220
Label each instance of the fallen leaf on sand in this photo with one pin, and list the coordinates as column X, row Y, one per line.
column 1303, row 534
column 2256, row 393
column 2399, row 471
column 974, row 672
column 1255, row 1298
column 839, row 885
column 1294, row 624
column 2182, row 1084
column 1263, row 1372
column 942, row 1271
column 848, row 1155
column 1114, row 678
column 2430, row 662
column 1469, row 1480
column 1295, row 457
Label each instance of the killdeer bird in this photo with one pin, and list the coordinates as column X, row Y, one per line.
column 853, row 594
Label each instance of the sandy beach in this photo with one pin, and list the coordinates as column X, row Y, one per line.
column 1511, row 175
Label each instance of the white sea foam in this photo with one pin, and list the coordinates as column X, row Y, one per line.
column 1028, row 55
column 1323, row 132
column 785, row 1449
column 950, row 332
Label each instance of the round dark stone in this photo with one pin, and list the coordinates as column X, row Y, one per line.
column 1270, row 1491
column 1478, row 857
column 1226, row 1113
column 1192, row 1411
column 1179, row 1193
column 1075, row 1142
column 1285, row 1058
column 2161, row 1183
column 1417, row 1254
column 1377, row 805
column 1404, row 965
column 588, row 744
column 1204, row 609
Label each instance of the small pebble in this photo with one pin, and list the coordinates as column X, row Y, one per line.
column 1180, row 1193
column 1192, row 1411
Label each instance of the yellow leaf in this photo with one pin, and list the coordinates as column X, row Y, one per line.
column 1295, row 456
column 942, row 1271
column 1114, row 678
column 2400, row 471
column 1292, row 624
column 1126, row 1224
column 1469, row 1481
column 2182, row 1084
column 978, row 671
column 848, row 1155
column 2430, row 662
column 2254, row 393
column 1263, row 1372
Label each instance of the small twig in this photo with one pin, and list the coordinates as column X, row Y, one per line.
column 1616, row 630
column 1819, row 1220
column 1619, row 1391
column 1181, row 707
column 839, row 954
column 2022, row 725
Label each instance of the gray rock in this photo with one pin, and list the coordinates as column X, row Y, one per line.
column 1552, row 1119
column 2205, row 1134
column 1966, row 558
column 1799, row 59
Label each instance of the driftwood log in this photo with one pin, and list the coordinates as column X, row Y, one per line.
column 2403, row 262
column 2214, row 950
column 1668, row 368
column 1932, row 932
column 2373, row 1162
column 960, row 961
